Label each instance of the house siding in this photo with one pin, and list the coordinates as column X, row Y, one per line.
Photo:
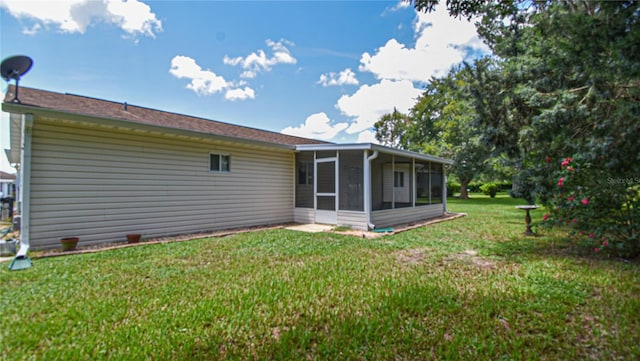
column 100, row 183
column 392, row 217
column 304, row 215
column 354, row 219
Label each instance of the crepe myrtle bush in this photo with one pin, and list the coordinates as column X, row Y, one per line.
column 601, row 211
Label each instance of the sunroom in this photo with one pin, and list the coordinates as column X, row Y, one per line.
column 367, row 186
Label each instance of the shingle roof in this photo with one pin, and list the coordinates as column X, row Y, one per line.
column 7, row 176
column 82, row 105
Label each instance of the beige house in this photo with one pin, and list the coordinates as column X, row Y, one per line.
column 99, row 170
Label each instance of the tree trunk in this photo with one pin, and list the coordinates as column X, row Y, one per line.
column 464, row 183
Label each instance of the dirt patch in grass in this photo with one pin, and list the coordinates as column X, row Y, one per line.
column 471, row 257
column 411, row 256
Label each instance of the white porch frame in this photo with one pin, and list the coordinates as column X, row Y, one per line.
column 326, row 216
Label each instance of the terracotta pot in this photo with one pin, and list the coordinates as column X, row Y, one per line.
column 133, row 238
column 69, row 243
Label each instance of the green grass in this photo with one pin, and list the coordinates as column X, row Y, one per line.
column 473, row 288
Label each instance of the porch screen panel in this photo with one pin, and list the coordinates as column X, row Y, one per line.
column 326, row 184
column 351, row 181
column 304, row 180
column 402, row 182
column 326, row 203
column 326, row 177
column 423, row 186
column 437, row 185
column 325, row 154
column 380, row 182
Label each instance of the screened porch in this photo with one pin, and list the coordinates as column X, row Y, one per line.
column 367, row 186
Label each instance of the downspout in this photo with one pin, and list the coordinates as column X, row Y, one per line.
column 444, row 190
column 367, row 187
column 22, row 259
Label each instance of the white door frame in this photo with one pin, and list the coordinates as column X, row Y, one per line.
column 322, row 215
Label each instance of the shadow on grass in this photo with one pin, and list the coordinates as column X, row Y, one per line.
column 555, row 247
column 504, row 218
column 427, row 321
column 501, row 199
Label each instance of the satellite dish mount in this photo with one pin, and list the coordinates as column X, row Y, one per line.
column 13, row 68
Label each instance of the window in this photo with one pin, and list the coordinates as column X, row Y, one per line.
column 219, row 162
column 304, row 180
column 305, row 173
column 398, row 179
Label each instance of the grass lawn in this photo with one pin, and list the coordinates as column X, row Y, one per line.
column 473, row 288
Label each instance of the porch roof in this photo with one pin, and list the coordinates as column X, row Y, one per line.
column 372, row 147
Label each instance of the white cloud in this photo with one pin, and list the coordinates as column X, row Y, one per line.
column 371, row 102
column 74, row 16
column 207, row 82
column 367, row 136
column 441, row 41
column 134, row 17
column 398, row 6
column 316, row 126
column 259, row 61
column 345, row 77
column 33, row 30
column 240, row 94
column 204, row 82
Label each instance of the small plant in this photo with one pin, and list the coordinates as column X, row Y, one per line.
column 489, row 189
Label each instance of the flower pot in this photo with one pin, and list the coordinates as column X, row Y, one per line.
column 133, row 238
column 69, row 243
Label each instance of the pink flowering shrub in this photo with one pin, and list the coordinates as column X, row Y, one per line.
column 601, row 214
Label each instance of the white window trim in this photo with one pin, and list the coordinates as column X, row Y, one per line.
column 220, row 155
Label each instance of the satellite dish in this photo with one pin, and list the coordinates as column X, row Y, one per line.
column 13, row 68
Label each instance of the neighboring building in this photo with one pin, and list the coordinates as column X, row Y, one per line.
column 7, row 185
column 7, row 195
column 99, row 170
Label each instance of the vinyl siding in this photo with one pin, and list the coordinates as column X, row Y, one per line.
column 357, row 220
column 393, row 217
column 304, row 215
column 100, row 183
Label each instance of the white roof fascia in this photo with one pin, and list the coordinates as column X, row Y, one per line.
column 371, row 146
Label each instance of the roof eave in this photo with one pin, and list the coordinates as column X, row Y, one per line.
column 18, row 108
column 371, row 146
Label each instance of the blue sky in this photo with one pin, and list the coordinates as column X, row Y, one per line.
column 318, row 69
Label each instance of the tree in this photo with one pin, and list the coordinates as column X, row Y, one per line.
column 392, row 129
column 441, row 123
column 564, row 83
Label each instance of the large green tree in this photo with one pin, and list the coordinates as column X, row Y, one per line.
column 561, row 99
column 441, row 123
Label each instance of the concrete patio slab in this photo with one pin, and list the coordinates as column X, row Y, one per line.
column 311, row 227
